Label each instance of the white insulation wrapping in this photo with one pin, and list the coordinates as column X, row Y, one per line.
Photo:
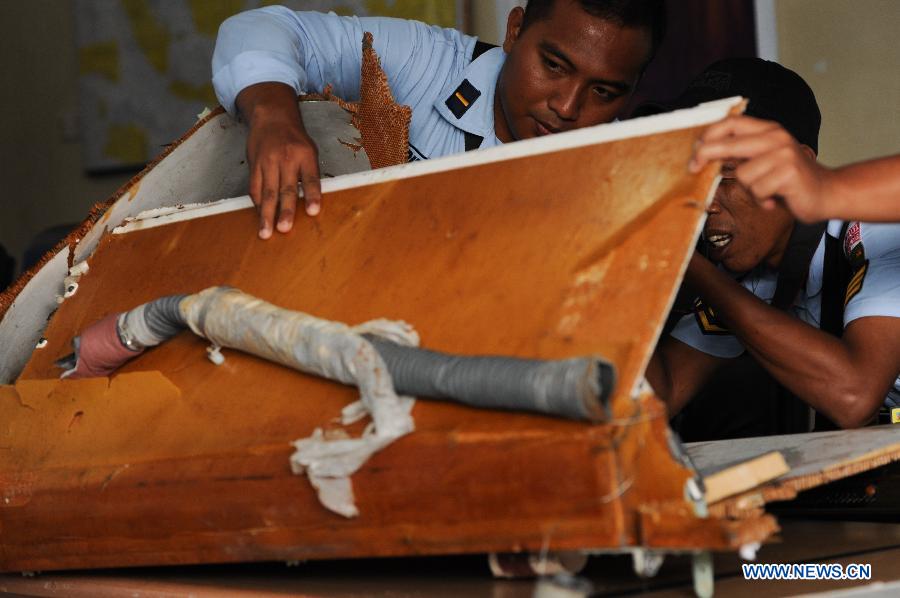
column 229, row 318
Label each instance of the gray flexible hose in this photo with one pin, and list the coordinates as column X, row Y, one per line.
column 163, row 316
column 152, row 323
column 577, row 388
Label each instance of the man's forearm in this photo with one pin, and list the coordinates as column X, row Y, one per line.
column 657, row 375
column 665, row 382
column 867, row 191
column 814, row 365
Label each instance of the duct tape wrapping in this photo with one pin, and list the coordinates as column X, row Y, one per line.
column 153, row 323
column 577, row 388
column 230, row 318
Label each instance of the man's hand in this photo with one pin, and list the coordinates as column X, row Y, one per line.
column 777, row 166
column 280, row 153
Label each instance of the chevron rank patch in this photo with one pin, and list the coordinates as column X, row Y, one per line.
column 856, row 255
column 706, row 319
column 856, row 281
column 461, row 99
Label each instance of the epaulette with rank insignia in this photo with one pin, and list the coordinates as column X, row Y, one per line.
column 462, row 98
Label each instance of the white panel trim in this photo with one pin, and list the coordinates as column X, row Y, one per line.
column 703, row 114
column 22, row 326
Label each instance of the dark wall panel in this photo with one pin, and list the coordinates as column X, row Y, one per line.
column 700, row 32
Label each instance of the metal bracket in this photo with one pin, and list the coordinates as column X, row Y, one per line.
column 704, row 581
column 646, row 562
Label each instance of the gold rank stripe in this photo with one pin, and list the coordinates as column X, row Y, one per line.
column 855, row 284
column 859, row 274
column 851, row 293
column 709, row 326
column 460, row 97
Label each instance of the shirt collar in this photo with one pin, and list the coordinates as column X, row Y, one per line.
column 478, row 116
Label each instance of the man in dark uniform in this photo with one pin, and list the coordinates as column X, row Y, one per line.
column 817, row 307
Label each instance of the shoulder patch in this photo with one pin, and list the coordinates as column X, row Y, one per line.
column 856, row 281
column 462, row 98
column 706, row 319
column 853, row 247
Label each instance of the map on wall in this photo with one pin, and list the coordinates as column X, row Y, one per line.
column 144, row 65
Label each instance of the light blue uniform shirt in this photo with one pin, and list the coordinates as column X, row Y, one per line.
column 425, row 66
column 877, row 292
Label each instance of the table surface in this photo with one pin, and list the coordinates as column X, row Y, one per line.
column 800, row 541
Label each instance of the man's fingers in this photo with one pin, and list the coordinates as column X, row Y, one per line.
column 774, row 183
column 737, row 126
column 269, row 203
column 256, row 179
column 312, row 187
column 287, row 206
column 282, row 155
column 769, row 203
column 729, row 138
column 751, row 171
column 743, row 147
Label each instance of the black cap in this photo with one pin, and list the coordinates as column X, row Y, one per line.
column 774, row 93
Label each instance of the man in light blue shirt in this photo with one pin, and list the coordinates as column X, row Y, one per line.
column 817, row 308
column 564, row 64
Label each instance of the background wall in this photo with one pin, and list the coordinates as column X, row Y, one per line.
column 849, row 53
column 488, row 18
column 40, row 155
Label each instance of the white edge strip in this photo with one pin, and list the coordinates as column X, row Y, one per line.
column 33, row 303
column 703, row 114
column 683, row 269
column 766, row 29
column 168, row 215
